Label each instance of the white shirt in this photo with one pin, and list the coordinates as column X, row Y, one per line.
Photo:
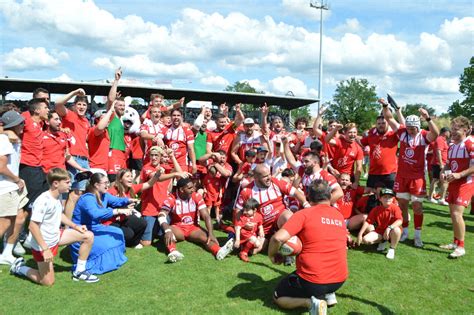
column 12, row 151
column 47, row 211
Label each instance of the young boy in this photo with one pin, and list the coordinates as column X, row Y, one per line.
column 46, row 218
column 387, row 220
column 248, row 222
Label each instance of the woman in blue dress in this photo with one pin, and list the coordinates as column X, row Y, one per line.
column 95, row 205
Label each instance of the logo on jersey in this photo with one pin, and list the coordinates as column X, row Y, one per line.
column 187, row 220
column 342, row 162
column 267, row 209
column 409, row 153
column 377, row 153
column 454, row 166
column 174, row 146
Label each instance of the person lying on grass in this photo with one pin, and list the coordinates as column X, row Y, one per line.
column 387, row 220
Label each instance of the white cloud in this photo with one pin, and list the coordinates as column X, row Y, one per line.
column 459, row 31
column 350, row 26
column 442, row 85
column 302, row 8
column 63, row 78
column 216, row 81
column 28, row 58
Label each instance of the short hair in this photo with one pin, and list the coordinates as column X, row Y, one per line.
column 7, row 107
column 443, row 130
column 251, row 203
column 50, row 114
column 155, row 95
column 165, row 113
column 221, row 152
column 380, row 117
column 318, row 191
column 57, row 174
column 316, row 145
column 183, row 182
column 221, row 116
column 331, row 121
column 349, row 126
column 177, row 110
column 288, row 172
column 34, row 104
column 462, row 121
column 301, row 119
column 312, row 155
column 38, row 91
column 80, row 98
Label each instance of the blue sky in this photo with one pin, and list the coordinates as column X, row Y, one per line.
column 414, row 50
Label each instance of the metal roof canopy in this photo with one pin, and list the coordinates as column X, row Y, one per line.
column 216, row 97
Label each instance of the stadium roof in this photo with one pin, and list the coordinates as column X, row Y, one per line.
column 101, row 89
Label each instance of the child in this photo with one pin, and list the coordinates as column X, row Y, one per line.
column 347, row 203
column 46, row 218
column 387, row 220
column 248, row 222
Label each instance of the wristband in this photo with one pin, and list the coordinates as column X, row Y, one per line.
column 306, row 205
column 428, row 119
column 167, row 230
column 390, row 227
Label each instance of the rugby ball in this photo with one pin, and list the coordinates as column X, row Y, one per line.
column 292, row 247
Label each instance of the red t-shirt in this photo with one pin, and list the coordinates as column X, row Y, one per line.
column 31, row 142
column 345, row 155
column 54, row 150
column 152, row 199
column 382, row 217
column 215, row 184
column 99, row 147
column 442, row 145
column 328, row 147
column 411, row 157
column 383, row 152
column 79, row 129
column 242, row 220
column 346, row 204
column 322, row 231
column 184, row 212
column 114, row 192
column 222, row 140
column 178, row 139
column 460, row 158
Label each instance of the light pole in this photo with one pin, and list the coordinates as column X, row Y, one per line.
column 320, row 6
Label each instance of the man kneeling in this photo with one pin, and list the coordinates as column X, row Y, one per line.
column 321, row 267
column 46, row 218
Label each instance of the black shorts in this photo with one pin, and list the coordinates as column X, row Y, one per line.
column 135, row 164
column 35, row 181
column 296, row 287
column 388, row 180
column 436, row 169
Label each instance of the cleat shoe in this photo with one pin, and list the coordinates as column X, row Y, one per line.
column 138, row 246
column 318, row 307
column 404, row 236
column 417, row 242
column 458, row 252
column 450, row 246
column 17, row 264
column 85, row 276
column 7, row 260
column 175, row 256
column 225, row 250
column 432, row 200
column 443, row 202
column 330, row 299
column 381, row 246
column 390, row 253
column 244, row 256
column 289, row 261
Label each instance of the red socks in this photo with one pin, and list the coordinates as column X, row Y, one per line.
column 214, row 249
column 458, row 242
column 418, row 221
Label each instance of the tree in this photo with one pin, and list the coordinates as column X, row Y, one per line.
column 243, row 87
column 355, row 101
column 412, row 109
column 466, row 87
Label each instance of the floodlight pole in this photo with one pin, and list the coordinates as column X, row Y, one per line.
column 320, row 6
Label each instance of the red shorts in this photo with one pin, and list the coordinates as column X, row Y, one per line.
column 187, row 229
column 212, row 200
column 38, row 255
column 117, row 161
column 460, row 194
column 415, row 187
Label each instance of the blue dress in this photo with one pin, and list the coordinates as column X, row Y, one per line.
column 108, row 251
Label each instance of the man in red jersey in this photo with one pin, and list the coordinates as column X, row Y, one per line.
column 459, row 173
column 383, row 144
column 440, row 155
column 98, row 139
column 410, row 183
column 275, row 132
column 244, row 141
column 184, row 207
column 347, row 203
column 321, row 267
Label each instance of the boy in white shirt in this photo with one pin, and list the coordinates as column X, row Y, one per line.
column 46, row 218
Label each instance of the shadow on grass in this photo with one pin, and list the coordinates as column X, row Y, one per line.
column 445, row 213
column 382, row 309
column 449, row 226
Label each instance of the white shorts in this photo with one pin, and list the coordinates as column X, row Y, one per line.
column 11, row 202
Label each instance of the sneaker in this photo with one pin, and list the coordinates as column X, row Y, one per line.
column 289, row 261
column 331, row 299
column 85, row 276
column 27, row 243
column 244, row 256
column 7, row 260
column 318, row 307
column 390, row 253
column 225, row 250
column 18, row 249
column 458, row 252
column 17, row 264
column 381, row 246
column 451, row 246
column 443, row 202
column 139, row 246
column 175, row 256
column 432, row 200
column 404, row 236
column 417, row 242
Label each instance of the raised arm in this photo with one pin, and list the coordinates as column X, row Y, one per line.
column 387, row 114
column 113, row 89
column 234, row 152
column 104, row 121
column 60, row 105
column 317, row 132
column 333, row 132
column 239, row 116
column 265, row 128
column 290, row 158
column 434, row 132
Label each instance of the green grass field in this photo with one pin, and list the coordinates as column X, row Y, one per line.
column 418, row 281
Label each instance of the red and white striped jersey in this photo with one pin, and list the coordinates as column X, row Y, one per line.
column 184, row 212
column 411, row 157
column 178, row 139
column 460, row 158
column 246, row 143
column 307, row 180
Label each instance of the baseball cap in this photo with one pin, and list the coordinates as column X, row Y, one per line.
column 11, row 119
column 261, row 149
column 387, row 191
column 249, row 121
column 250, row 153
column 99, row 113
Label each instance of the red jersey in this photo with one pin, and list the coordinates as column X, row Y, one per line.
column 184, row 212
column 178, row 139
column 242, row 220
column 152, row 199
column 322, row 231
column 328, row 147
column 79, row 130
column 382, row 217
column 276, row 138
column 270, row 200
column 411, row 157
column 215, row 185
column 152, row 129
column 222, row 140
column 31, row 142
column 114, row 192
column 307, row 180
column 460, row 158
column 383, row 152
column 246, row 143
column 345, row 155
column 99, row 147
column 348, row 201
column 54, row 150
column 442, row 145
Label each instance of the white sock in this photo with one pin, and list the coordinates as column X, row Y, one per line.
column 8, row 250
column 418, row 233
column 81, row 265
column 23, row 270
